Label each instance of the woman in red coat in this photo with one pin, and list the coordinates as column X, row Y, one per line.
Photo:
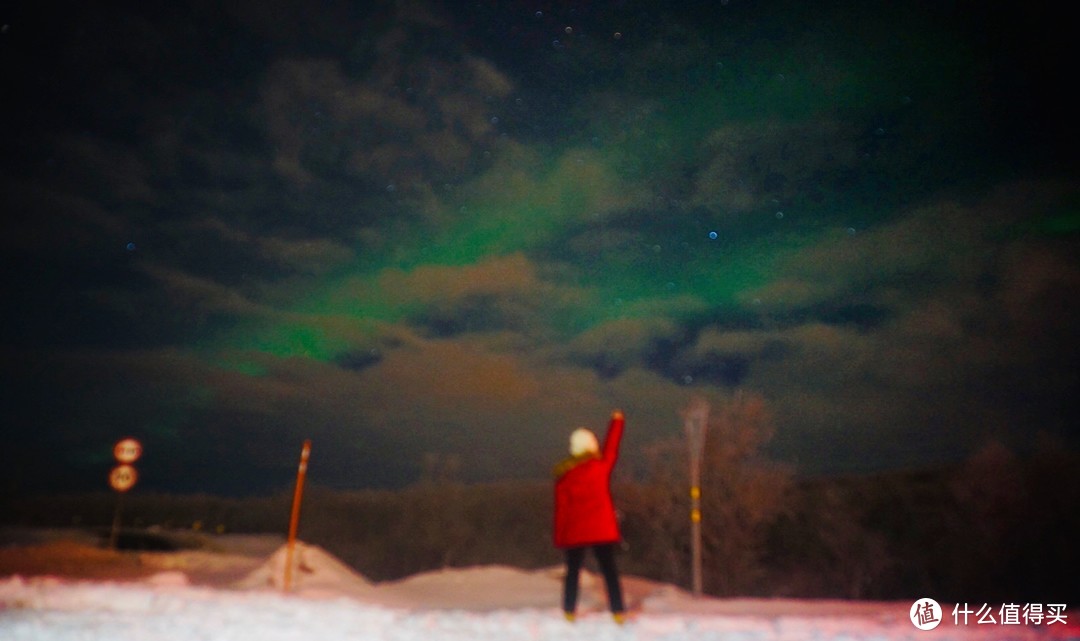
column 585, row 514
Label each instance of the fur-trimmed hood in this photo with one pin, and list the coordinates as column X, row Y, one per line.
column 570, row 463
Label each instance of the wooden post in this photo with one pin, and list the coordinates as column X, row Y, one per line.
column 294, row 519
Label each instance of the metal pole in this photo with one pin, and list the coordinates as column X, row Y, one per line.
column 695, row 419
column 114, row 535
column 295, row 517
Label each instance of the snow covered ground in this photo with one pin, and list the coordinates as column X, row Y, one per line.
column 329, row 602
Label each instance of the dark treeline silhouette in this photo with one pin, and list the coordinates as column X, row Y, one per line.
column 997, row 528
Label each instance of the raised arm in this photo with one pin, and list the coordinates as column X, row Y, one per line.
column 613, row 438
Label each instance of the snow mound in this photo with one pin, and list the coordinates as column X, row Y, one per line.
column 315, row 573
column 494, row 587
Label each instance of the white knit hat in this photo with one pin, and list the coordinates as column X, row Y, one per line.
column 583, row 441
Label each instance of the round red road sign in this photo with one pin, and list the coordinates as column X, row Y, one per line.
column 122, row 478
column 127, row 450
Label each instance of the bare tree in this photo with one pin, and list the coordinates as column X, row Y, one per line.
column 742, row 493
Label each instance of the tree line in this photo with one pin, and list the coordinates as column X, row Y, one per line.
column 997, row 527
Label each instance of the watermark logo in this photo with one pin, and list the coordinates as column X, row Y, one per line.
column 925, row 614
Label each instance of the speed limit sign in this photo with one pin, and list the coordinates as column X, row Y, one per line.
column 122, row 477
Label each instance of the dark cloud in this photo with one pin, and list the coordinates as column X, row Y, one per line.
column 940, row 369
column 413, row 232
column 613, row 347
column 776, row 164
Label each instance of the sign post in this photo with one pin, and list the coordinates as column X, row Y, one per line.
column 122, row 478
column 294, row 519
column 695, row 420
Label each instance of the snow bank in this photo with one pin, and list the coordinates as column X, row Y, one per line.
column 331, row 602
column 478, row 588
column 53, row 610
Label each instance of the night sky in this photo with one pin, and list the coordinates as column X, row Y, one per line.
column 444, row 235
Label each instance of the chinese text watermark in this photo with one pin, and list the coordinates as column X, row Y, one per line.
column 926, row 614
column 1010, row 614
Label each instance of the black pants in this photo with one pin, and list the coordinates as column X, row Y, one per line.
column 605, row 556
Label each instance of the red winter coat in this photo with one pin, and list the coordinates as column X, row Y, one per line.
column 584, row 511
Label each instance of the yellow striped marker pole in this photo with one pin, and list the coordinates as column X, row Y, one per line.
column 695, row 420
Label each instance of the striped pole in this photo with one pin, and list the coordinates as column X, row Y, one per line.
column 695, row 420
